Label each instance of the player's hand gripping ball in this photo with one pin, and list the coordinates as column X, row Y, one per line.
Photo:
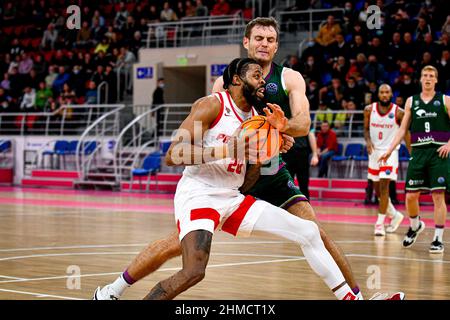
column 267, row 138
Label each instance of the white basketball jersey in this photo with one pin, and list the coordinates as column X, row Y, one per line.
column 383, row 127
column 225, row 173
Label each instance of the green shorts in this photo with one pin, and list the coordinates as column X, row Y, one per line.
column 427, row 171
column 278, row 189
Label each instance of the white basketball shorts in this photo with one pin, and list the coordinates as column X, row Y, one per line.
column 378, row 171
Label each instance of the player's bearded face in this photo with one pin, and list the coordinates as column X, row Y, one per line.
column 253, row 94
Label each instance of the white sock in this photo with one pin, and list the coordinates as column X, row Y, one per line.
column 345, row 293
column 381, row 218
column 391, row 211
column 439, row 234
column 119, row 286
column 414, row 222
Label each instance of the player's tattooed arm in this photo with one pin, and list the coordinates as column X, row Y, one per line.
column 367, row 111
column 251, row 176
column 300, row 122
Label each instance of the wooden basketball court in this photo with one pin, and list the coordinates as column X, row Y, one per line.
column 62, row 244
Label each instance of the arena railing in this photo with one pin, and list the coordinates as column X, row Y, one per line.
column 186, row 30
column 66, row 120
column 306, row 20
column 91, row 140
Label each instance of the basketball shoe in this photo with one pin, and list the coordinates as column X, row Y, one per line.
column 105, row 293
column 436, row 246
column 379, row 230
column 384, row 296
column 395, row 222
column 411, row 235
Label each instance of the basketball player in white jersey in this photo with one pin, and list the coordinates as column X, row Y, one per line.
column 208, row 197
column 381, row 121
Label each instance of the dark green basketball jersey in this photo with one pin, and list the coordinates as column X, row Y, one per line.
column 276, row 93
column 430, row 124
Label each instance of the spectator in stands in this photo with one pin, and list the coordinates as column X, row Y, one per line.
column 67, row 95
column 422, row 28
column 129, row 28
column 357, row 47
column 408, row 51
column 167, row 14
column 98, row 18
column 374, row 71
column 327, row 147
column 78, row 80
column 84, row 36
column 40, row 65
column 312, row 93
column 376, row 48
column 332, row 94
column 201, row 10
column 97, row 32
column 323, row 114
column 221, row 8
column 60, row 80
column 340, row 47
column 179, row 10
column 88, row 64
column 340, row 119
column 103, row 46
column 16, row 48
column 9, row 13
column 399, row 101
column 136, row 43
column 91, row 93
column 121, row 16
column 51, row 76
column 49, row 38
column 110, row 77
column 138, row 12
column 405, row 68
column 443, row 67
column 311, row 70
column 357, row 120
column 446, row 27
column 339, row 68
column 42, row 96
column 153, row 15
column 98, row 75
column 327, row 33
column 406, row 87
column 427, row 45
column 292, row 62
column 158, row 99
column 15, row 83
column 370, row 93
column 393, row 52
column 31, row 79
column 353, row 91
column 25, row 64
column 6, row 102
column 5, row 84
column 28, row 100
column 190, row 9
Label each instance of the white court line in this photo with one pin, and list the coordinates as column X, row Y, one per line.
column 396, row 258
column 232, row 264
column 40, row 295
column 15, row 278
column 133, row 245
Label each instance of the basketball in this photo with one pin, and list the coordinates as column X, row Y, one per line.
column 270, row 146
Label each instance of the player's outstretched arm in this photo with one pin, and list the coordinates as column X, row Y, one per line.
column 299, row 124
column 444, row 151
column 400, row 114
column 367, row 112
column 406, row 121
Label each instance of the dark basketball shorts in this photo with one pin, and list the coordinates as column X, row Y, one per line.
column 427, row 171
column 278, row 189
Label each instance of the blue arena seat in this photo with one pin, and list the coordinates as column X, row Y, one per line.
column 150, row 167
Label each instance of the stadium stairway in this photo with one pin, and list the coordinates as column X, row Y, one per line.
column 350, row 190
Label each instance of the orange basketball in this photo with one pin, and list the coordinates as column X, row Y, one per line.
column 271, row 145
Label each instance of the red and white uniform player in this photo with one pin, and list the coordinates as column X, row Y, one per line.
column 207, row 196
column 383, row 128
